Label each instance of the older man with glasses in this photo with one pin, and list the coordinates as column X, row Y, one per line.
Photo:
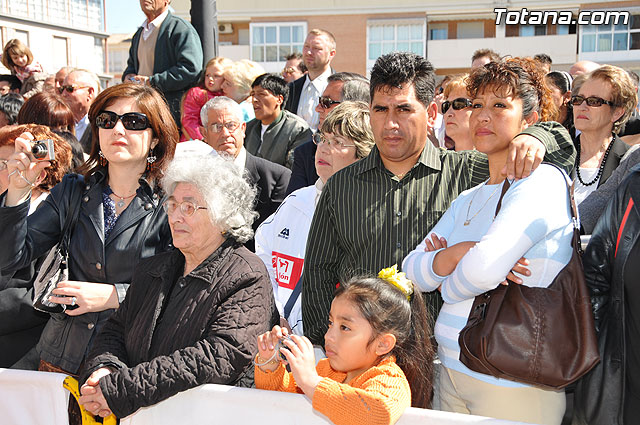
column 224, row 130
column 79, row 89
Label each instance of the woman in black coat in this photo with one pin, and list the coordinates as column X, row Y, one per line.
column 120, row 219
column 192, row 316
column 610, row 393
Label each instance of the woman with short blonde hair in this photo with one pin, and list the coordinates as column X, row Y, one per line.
column 237, row 84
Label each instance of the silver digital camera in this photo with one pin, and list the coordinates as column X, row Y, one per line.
column 43, row 150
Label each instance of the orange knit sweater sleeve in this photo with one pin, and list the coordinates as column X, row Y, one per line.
column 378, row 396
column 278, row 380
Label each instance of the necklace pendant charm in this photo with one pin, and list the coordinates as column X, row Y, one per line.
column 120, row 203
column 466, row 222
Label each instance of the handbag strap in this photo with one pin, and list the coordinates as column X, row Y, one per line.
column 572, row 201
column 71, row 219
column 292, row 299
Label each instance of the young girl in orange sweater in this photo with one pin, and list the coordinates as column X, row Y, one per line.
column 378, row 351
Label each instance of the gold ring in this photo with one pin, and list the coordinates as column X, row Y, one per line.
column 529, row 154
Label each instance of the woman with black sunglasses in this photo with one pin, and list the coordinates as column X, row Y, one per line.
column 456, row 110
column 602, row 103
column 120, row 219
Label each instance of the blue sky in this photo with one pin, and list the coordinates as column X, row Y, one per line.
column 123, row 16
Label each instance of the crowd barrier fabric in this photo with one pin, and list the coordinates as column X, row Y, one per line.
column 30, row 398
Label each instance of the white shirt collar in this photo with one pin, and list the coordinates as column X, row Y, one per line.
column 81, row 126
column 148, row 27
column 320, row 82
column 241, row 159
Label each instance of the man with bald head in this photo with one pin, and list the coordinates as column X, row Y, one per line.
column 60, row 76
column 79, row 89
column 583, row 67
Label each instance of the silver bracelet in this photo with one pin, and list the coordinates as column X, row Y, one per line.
column 271, row 359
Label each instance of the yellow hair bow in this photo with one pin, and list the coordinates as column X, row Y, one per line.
column 399, row 280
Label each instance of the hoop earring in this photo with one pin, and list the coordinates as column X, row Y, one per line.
column 150, row 160
column 102, row 160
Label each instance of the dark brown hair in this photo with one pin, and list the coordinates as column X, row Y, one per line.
column 59, row 167
column 48, row 109
column 481, row 53
column 520, row 78
column 387, row 310
column 153, row 105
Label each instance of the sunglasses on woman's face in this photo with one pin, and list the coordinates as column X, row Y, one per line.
column 456, row 104
column 130, row 120
column 591, row 101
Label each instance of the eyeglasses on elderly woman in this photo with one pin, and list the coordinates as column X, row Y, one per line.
column 187, row 208
column 596, row 101
column 319, row 139
column 131, row 120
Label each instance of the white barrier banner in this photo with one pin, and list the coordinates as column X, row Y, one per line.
column 36, row 398
column 221, row 404
column 28, row 397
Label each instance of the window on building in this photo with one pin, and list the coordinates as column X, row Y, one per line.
column 58, row 11
column 60, row 54
column 532, row 30
column 611, row 37
column 439, row 31
column 98, row 52
column 273, row 42
column 395, row 36
column 21, row 35
column 470, row 30
column 18, row 8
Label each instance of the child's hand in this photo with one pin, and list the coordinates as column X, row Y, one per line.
column 267, row 343
column 303, row 363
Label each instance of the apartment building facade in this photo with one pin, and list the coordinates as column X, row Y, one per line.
column 58, row 32
column 447, row 33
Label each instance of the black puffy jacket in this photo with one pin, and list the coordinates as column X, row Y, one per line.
column 599, row 396
column 141, row 231
column 211, row 319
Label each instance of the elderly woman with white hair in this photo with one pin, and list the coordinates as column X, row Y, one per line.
column 192, row 315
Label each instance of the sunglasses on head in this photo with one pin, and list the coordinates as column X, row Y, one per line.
column 130, row 120
column 70, row 89
column 326, row 102
column 591, row 101
column 456, row 104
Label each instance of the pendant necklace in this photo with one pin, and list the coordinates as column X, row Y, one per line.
column 468, row 219
column 122, row 199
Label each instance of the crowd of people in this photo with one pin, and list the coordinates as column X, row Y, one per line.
column 313, row 231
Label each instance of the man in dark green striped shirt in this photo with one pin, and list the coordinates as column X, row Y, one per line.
column 373, row 213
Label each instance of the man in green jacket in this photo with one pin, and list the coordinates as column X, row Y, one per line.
column 165, row 53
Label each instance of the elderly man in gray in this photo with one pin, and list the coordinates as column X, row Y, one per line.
column 224, row 130
column 79, row 89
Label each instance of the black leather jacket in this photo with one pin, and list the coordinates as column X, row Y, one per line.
column 599, row 397
column 141, row 231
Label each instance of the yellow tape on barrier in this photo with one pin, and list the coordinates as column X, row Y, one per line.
column 71, row 384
